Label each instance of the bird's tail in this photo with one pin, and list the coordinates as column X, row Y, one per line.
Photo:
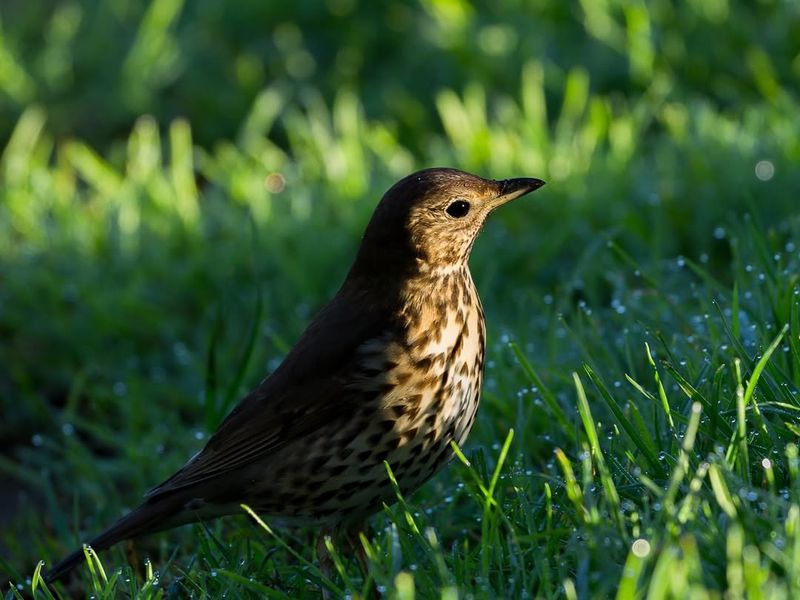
column 154, row 515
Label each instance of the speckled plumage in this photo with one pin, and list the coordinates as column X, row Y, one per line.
column 390, row 370
column 417, row 386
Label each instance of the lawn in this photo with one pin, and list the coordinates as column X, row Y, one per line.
column 183, row 185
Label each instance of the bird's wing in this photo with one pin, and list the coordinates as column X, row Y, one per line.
column 311, row 390
column 260, row 427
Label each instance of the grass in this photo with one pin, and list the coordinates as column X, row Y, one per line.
column 638, row 434
column 99, row 66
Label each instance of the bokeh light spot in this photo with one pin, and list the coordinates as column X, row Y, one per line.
column 765, row 170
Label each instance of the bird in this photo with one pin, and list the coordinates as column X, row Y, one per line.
column 388, row 372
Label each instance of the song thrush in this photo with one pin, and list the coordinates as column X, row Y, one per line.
column 390, row 370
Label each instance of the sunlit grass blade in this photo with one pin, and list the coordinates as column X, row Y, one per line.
column 735, row 574
column 401, row 501
column 759, row 367
column 694, row 394
column 682, row 466
column 721, row 492
column 182, row 172
column 338, row 563
column 690, row 504
column 662, row 394
column 594, row 443
column 738, row 451
column 297, row 556
column 38, row 584
column 632, row 570
column 637, row 434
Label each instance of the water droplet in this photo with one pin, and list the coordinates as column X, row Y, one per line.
column 640, row 548
column 181, row 352
column 765, row 170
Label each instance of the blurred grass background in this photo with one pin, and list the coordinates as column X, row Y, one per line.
column 183, row 184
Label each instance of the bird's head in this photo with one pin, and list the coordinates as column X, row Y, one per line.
column 431, row 218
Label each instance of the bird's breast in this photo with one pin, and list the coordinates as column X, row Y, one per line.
column 433, row 388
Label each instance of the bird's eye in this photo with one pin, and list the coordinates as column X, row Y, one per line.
column 458, row 209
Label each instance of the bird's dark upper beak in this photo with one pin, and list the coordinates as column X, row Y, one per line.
column 510, row 189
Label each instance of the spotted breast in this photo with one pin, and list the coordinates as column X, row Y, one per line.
column 420, row 383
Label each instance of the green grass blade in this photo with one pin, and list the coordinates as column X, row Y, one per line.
column 594, row 443
column 548, row 396
column 645, row 445
column 247, row 583
column 235, row 385
column 297, row 556
column 632, row 570
column 662, row 394
column 721, row 492
column 762, row 362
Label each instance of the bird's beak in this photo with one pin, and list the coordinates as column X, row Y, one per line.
column 511, row 189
